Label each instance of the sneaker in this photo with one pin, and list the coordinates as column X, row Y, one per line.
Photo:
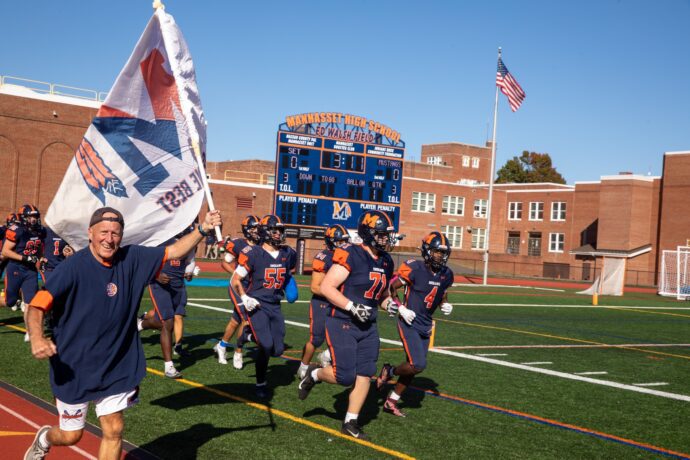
column 15, row 307
column 26, row 337
column 391, row 407
column 237, row 361
column 179, row 351
column 325, row 358
column 351, row 428
column 173, row 374
column 35, row 451
column 220, row 351
column 261, row 391
column 307, row 383
column 23, row 306
column 140, row 322
column 384, row 376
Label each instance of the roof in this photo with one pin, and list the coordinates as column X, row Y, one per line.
column 589, row 250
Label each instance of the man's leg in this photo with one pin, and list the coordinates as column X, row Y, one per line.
column 178, row 328
column 111, row 445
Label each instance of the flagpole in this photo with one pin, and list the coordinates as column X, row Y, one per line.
column 491, row 186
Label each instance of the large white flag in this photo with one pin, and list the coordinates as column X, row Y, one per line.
column 137, row 155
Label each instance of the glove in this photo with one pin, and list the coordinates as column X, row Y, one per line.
column 406, row 314
column 250, row 303
column 359, row 311
column 446, row 308
column 196, row 271
column 391, row 306
column 30, row 260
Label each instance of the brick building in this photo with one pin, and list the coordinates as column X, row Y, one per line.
column 545, row 230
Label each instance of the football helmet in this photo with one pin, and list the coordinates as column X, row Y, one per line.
column 30, row 216
column 13, row 218
column 376, row 230
column 336, row 236
column 250, row 228
column 436, row 250
column 272, row 230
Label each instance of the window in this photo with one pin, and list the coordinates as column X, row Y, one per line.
column 558, row 210
column 513, row 246
column 515, row 210
column 454, row 205
column 534, row 244
column 433, row 160
column 475, row 162
column 454, row 235
column 556, row 242
column 478, row 238
column 480, row 208
column 465, row 161
column 536, row 210
column 423, row 202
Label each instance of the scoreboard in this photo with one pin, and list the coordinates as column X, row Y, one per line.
column 323, row 180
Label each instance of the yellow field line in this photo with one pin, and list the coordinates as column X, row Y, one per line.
column 286, row 415
column 570, row 339
column 16, row 433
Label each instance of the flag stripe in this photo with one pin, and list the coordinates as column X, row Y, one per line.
column 509, row 86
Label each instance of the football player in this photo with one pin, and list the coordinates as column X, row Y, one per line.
column 11, row 219
column 23, row 247
column 267, row 268
column 169, row 296
column 55, row 250
column 250, row 230
column 355, row 285
column 335, row 237
column 426, row 287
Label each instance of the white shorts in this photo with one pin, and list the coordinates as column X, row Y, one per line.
column 73, row 416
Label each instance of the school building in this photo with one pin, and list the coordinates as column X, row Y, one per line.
column 537, row 230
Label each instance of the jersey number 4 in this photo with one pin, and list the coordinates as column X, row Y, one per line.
column 378, row 285
column 274, row 278
column 429, row 299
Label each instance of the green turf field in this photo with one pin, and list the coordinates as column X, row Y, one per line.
column 517, row 373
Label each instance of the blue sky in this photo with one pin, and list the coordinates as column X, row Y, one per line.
column 606, row 81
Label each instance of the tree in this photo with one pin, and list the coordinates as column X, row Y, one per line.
column 530, row 167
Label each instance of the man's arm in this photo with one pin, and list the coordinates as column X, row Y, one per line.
column 316, row 280
column 8, row 251
column 41, row 347
column 181, row 247
column 331, row 283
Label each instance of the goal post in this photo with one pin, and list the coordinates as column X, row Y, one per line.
column 674, row 279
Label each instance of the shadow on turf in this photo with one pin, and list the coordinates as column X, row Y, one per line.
column 186, row 443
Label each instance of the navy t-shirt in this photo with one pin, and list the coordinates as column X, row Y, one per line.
column 267, row 274
column 94, row 311
column 368, row 278
column 424, row 291
column 175, row 268
column 53, row 245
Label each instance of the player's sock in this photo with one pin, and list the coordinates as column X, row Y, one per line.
column 169, row 366
column 394, row 396
column 43, row 440
column 349, row 417
column 302, row 368
column 315, row 374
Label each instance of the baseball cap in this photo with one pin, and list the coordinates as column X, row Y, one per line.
column 97, row 216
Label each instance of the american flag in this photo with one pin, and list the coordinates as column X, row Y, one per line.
column 509, row 86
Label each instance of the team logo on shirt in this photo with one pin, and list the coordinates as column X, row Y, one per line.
column 67, row 416
column 111, row 289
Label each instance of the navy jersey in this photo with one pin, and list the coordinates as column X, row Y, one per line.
column 424, row 290
column 175, row 268
column 267, row 274
column 235, row 246
column 94, row 314
column 27, row 242
column 322, row 263
column 3, row 230
column 53, row 246
column 368, row 279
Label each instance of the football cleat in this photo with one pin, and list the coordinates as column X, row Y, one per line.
column 237, row 360
column 261, row 391
column 35, row 451
column 384, row 376
column 307, row 383
column 173, row 373
column 391, row 407
column 220, row 352
column 179, row 351
column 353, row 429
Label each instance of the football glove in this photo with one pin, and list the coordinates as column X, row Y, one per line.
column 30, row 260
column 250, row 303
column 359, row 311
column 390, row 306
column 406, row 314
column 446, row 308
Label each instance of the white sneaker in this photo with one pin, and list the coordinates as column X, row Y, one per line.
column 325, row 358
column 35, row 451
column 26, row 337
column 220, row 352
column 23, row 306
column 237, row 361
column 14, row 307
column 173, row 373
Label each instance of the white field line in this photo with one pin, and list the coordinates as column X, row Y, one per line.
column 537, row 363
column 492, row 354
column 592, row 373
column 603, row 345
column 621, row 386
column 651, row 384
column 36, row 426
column 506, row 286
column 506, row 305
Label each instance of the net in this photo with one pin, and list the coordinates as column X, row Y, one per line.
column 674, row 279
